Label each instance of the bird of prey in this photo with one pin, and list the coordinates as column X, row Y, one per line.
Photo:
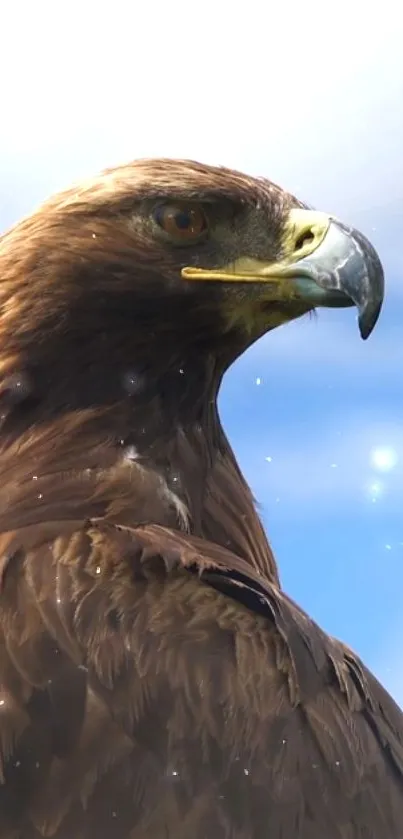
column 156, row 681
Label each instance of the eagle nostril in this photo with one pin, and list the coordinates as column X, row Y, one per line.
column 304, row 239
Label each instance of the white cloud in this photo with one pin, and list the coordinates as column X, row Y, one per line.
column 285, row 91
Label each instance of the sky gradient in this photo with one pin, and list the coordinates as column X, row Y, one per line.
column 312, row 100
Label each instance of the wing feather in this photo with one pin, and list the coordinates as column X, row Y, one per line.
column 204, row 700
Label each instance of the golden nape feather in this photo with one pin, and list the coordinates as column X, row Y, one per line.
column 156, row 680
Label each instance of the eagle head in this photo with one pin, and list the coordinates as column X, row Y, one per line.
column 156, row 275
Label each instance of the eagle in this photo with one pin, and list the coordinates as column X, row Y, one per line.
column 156, row 681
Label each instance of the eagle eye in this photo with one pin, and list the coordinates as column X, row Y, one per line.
column 184, row 224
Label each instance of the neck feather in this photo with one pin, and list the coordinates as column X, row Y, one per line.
column 180, row 440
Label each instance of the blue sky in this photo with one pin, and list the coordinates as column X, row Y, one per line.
column 309, row 96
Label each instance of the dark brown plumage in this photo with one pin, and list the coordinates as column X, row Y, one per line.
column 155, row 680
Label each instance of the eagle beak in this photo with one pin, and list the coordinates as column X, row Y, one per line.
column 323, row 263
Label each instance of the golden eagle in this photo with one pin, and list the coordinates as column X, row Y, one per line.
column 156, row 682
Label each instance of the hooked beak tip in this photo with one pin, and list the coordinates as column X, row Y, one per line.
column 346, row 265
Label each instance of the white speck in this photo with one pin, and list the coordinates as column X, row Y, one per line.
column 2, row 701
column 34, row 477
column 284, row 742
column 384, row 459
column 333, row 465
column 17, row 763
column 94, row 235
column 58, row 599
column 388, row 547
column 175, row 773
column 269, row 459
column 40, row 496
column 181, row 370
column 131, row 453
column 98, row 570
column 37, row 764
column 132, row 382
column 375, row 490
column 337, row 763
column 246, row 771
column 258, row 381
